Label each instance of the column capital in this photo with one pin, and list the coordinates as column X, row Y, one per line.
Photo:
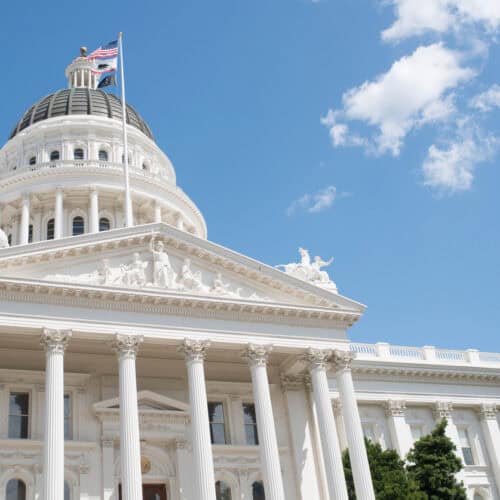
column 488, row 411
column 126, row 346
column 394, row 408
column 55, row 341
column 194, row 350
column 442, row 409
column 317, row 358
column 257, row 355
column 343, row 359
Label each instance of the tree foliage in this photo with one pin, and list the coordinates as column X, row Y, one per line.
column 429, row 473
column 433, row 464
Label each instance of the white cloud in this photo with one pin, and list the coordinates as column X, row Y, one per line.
column 411, row 93
column 314, row 202
column 487, row 100
column 417, row 17
column 451, row 169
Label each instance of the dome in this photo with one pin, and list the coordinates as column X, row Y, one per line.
column 80, row 101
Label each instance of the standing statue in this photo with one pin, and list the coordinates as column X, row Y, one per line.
column 4, row 241
column 163, row 274
column 310, row 271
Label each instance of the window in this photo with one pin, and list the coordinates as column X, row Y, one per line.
column 466, row 446
column 369, row 432
column 103, row 155
column 67, row 491
column 250, row 420
column 258, row 491
column 15, row 490
column 30, row 233
column 19, row 404
column 217, row 426
column 104, row 224
column 145, row 166
column 32, row 160
column 78, row 225
column 68, row 418
column 9, row 239
column 222, row 491
column 417, row 431
column 78, row 154
column 54, row 156
column 50, row 229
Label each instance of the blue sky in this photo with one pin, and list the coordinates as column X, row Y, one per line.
column 361, row 129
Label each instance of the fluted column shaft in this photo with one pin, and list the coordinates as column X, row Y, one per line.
column 318, row 364
column 268, row 444
column 157, row 211
column 126, row 347
column 94, row 211
column 204, row 477
column 55, row 342
column 58, row 214
column 355, row 439
column 25, row 220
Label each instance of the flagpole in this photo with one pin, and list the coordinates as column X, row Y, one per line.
column 127, row 206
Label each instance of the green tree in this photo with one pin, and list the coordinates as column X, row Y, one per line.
column 432, row 464
column 390, row 478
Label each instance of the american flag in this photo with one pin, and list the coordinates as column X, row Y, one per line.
column 106, row 58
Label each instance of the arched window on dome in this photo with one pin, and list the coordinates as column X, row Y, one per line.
column 104, row 224
column 54, row 155
column 78, row 225
column 103, row 155
column 30, row 233
column 67, row 491
column 222, row 491
column 15, row 490
column 78, row 154
column 258, row 491
column 32, row 160
column 50, row 229
column 9, row 239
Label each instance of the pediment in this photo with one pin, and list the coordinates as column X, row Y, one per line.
column 146, row 401
column 157, row 259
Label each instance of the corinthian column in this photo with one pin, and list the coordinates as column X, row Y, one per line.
column 268, row 445
column 318, row 361
column 25, row 219
column 204, row 478
column 491, row 434
column 398, row 428
column 354, row 432
column 126, row 347
column 55, row 342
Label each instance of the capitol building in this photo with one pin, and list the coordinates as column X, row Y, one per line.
column 144, row 361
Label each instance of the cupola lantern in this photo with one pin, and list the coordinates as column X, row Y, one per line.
column 80, row 72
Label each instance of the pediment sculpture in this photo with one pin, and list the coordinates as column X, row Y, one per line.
column 161, row 274
column 311, row 272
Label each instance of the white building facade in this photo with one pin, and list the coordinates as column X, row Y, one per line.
column 148, row 362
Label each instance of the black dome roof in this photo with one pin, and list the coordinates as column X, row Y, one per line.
column 80, row 101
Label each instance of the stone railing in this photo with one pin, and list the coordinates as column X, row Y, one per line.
column 134, row 169
column 388, row 352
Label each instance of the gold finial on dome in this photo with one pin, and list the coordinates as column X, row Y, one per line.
column 83, row 51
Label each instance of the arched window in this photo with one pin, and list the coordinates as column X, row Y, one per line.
column 9, row 239
column 15, row 490
column 222, row 491
column 103, row 155
column 78, row 225
column 30, row 233
column 33, row 160
column 145, row 166
column 104, row 224
column 54, row 155
column 258, row 491
column 67, row 491
column 50, row 229
column 78, row 154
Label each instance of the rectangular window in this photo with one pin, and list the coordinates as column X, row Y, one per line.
column 68, row 418
column 19, row 415
column 369, row 432
column 466, row 446
column 417, row 432
column 250, row 420
column 217, row 425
